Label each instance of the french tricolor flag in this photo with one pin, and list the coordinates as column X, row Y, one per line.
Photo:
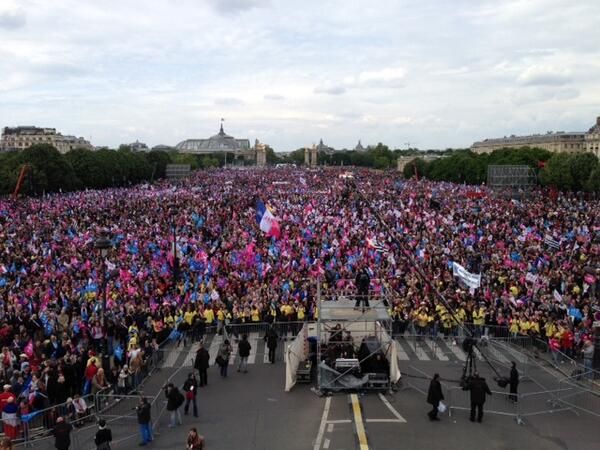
column 266, row 220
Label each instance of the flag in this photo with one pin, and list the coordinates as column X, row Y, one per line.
column 551, row 242
column 266, row 220
column 377, row 246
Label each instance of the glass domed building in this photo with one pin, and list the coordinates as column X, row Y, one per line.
column 220, row 142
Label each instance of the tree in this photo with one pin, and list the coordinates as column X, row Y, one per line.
column 158, row 160
column 582, row 165
column 87, row 168
column 49, row 170
column 557, row 172
column 593, row 182
column 417, row 166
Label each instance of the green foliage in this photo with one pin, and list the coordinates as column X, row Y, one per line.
column 49, row 171
column 557, row 172
column 582, row 165
column 593, row 181
column 158, row 160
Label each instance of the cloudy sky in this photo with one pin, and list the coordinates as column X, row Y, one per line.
column 435, row 73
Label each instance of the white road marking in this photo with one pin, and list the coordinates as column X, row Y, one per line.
column 458, row 352
column 421, row 353
column 326, row 443
column 339, row 421
column 214, row 348
column 234, row 348
column 319, row 439
column 384, row 421
column 266, row 355
column 253, row 339
column 402, row 355
column 437, row 351
column 392, row 409
column 329, row 427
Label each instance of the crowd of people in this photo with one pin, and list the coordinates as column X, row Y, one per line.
column 189, row 254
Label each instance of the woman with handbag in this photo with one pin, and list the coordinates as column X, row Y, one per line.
column 225, row 350
column 103, row 436
column 190, row 387
column 195, row 441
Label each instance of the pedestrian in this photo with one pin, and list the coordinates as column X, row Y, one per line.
column 588, row 358
column 62, row 434
column 174, row 401
column 479, row 389
column 244, row 348
column 271, row 339
column 190, row 388
column 144, row 420
column 103, row 436
column 513, row 381
column 362, row 282
column 223, row 357
column 434, row 397
column 201, row 364
column 195, row 441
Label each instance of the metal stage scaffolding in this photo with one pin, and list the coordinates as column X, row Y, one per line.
column 355, row 349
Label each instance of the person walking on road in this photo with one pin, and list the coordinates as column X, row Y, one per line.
column 201, row 364
column 174, row 401
column 513, row 381
column 103, row 436
column 434, row 396
column 271, row 339
column 195, row 441
column 62, row 434
column 144, row 420
column 190, row 388
column 479, row 389
column 244, row 348
column 223, row 357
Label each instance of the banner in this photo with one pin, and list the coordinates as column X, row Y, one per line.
column 294, row 355
column 551, row 242
column 469, row 279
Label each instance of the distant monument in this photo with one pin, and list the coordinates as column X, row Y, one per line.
column 261, row 153
column 311, row 156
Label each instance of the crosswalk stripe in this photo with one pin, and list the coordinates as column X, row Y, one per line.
column 458, row 352
column 265, row 354
column 421, row 352
column 214, row 348
column 435, row 348
column 234, row 348
column 402, row 356
column 253, row 339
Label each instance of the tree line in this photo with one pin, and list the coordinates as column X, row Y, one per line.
column 565, row 171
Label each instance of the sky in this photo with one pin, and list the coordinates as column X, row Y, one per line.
column 420, row 73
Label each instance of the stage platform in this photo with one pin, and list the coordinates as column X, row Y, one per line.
column 342, row 310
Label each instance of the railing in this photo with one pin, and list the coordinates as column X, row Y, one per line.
column 517, row 406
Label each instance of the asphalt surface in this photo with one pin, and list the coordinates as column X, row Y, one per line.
column 252, row 412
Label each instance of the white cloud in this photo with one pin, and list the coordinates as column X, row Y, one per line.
column 434, row 72
column 544, row 75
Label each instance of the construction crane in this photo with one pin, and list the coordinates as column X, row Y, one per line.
column 22, row 174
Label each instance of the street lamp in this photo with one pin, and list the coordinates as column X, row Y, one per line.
column 175, row 266
column 103, row 245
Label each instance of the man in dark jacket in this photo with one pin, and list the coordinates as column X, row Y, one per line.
column 201, row 364
column 144, row 420
column 434, row 396
column 174, row 401
column 271, row 339
column 479, row 389
column 244, row 348
column 103, row 436
column 362, row 282
column 62, row 434
column 513, row 381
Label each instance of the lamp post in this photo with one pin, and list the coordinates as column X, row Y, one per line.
column 175, row 266
column 103, row 245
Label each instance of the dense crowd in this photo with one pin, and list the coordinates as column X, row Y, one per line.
column 58, row 343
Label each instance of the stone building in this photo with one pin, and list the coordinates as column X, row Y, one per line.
column 592, row 139
column 20, row 138
column 558, row 142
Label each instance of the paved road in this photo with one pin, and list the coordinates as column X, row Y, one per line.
column 252, row 412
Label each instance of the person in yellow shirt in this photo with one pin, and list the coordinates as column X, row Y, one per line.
column 209, row 316
column 479, row 320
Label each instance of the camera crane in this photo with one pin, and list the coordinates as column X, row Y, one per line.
column 470, row 341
